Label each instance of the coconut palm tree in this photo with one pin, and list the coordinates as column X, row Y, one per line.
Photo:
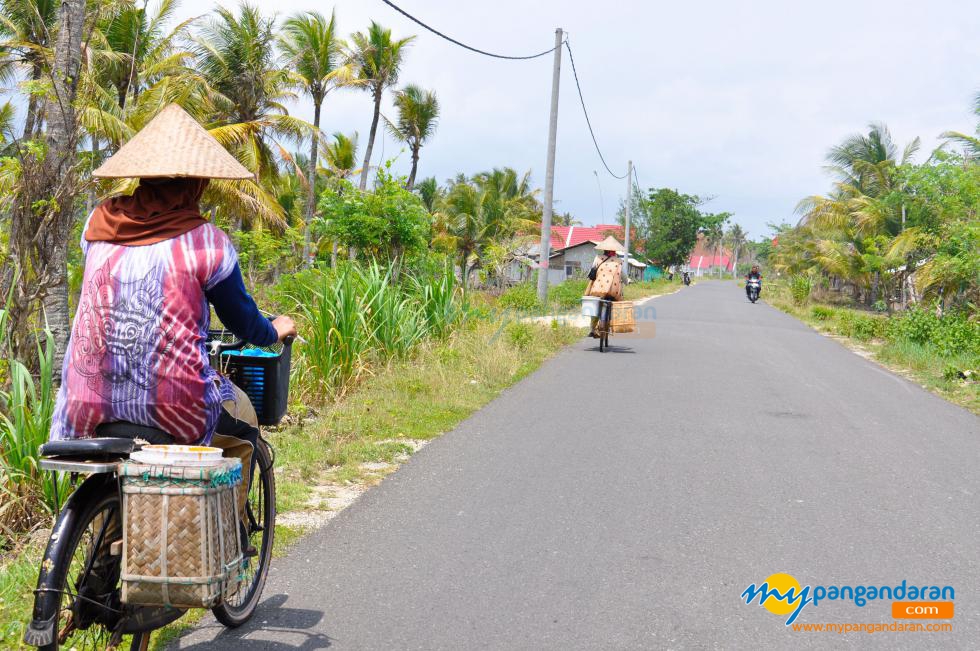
column 430, row 192
column 418, row 114
column 132, row 50
column 566, row 219
column 737, row 238
column 341, row 158
column 340, row 155
column 854, row 228
column 378, row 58
column 970, row 144
column 864, row 162
column 27, row 29
column 315, row 56
column 236, row 54
column 475, row 213
column 714, row 236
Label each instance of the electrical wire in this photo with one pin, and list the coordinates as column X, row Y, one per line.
column 571, row 58
column 463, row 45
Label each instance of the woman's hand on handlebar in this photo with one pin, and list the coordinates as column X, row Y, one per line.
column 285, row 327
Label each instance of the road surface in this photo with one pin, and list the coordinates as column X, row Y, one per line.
column 626, row 500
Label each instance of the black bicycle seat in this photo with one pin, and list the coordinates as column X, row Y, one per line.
column 97, row 447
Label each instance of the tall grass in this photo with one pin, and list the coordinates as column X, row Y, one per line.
column 361, row 316
column 26, row 407
column 440, row 304
column 336, row 334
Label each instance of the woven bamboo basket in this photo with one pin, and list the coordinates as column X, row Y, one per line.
column 623, row 319
column 181, row 544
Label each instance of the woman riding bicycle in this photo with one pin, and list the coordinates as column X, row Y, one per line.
column 605, row 276
column 153, row 265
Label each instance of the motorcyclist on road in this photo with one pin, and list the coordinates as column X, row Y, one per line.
column 754, row 274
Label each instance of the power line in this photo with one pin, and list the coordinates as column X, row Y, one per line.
column 586, row 112
column 462, row 45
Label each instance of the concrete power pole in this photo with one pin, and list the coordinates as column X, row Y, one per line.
column 629, row 200
column 549, row 179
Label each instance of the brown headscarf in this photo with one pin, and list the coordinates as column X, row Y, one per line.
column 159, row 210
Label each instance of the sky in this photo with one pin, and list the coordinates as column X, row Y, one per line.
column 739, row 101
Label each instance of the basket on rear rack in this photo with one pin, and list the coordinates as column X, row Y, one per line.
column 262, row 373
column 181, row 546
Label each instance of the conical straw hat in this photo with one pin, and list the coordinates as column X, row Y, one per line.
column 609, row 244
column 172, row 145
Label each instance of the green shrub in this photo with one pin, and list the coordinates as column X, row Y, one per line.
column 863, row 327
column 952, row 334
column 521, row 335
column 567, row 294
column 296, row 289
column 915, row 325
column 869, row 327
column 822, row 312
column 800, row 286
column 520, row 297
column 957, row 334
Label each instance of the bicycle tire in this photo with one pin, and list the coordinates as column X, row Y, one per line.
column 108, row 500
column 264, row 487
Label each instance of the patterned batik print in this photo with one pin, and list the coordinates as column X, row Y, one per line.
column 137, row 349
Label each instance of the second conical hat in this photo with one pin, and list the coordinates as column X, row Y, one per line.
column 609, row 244
column 172, row 145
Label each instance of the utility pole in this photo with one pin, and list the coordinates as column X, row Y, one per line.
column 549, row 178
column 629, row 200
column 905, row 276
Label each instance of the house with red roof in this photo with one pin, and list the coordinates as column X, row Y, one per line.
column 572, row 253
column 705, row 260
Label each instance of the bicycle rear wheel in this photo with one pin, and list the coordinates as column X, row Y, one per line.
column 87, row 578
column 260, row 525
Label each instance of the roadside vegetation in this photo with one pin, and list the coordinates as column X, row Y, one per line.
column 942, row 353
column 890, row 258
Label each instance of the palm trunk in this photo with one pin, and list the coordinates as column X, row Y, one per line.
column 31, row 122
column 311, row 180
column 415, row 166
column 370, row 144
column 39, row 237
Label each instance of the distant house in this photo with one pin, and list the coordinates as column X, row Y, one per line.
column 573, row 249
column 705, row 261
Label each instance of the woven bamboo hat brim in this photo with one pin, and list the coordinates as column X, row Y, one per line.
column 172, row 145
column 609, row 244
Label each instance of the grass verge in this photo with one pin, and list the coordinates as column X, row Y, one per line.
column 863, row 332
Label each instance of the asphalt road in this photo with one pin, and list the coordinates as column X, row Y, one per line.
column 625, row 501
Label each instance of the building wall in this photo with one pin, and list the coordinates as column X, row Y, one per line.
column 578, row 260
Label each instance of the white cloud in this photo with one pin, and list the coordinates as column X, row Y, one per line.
column 737, row 100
